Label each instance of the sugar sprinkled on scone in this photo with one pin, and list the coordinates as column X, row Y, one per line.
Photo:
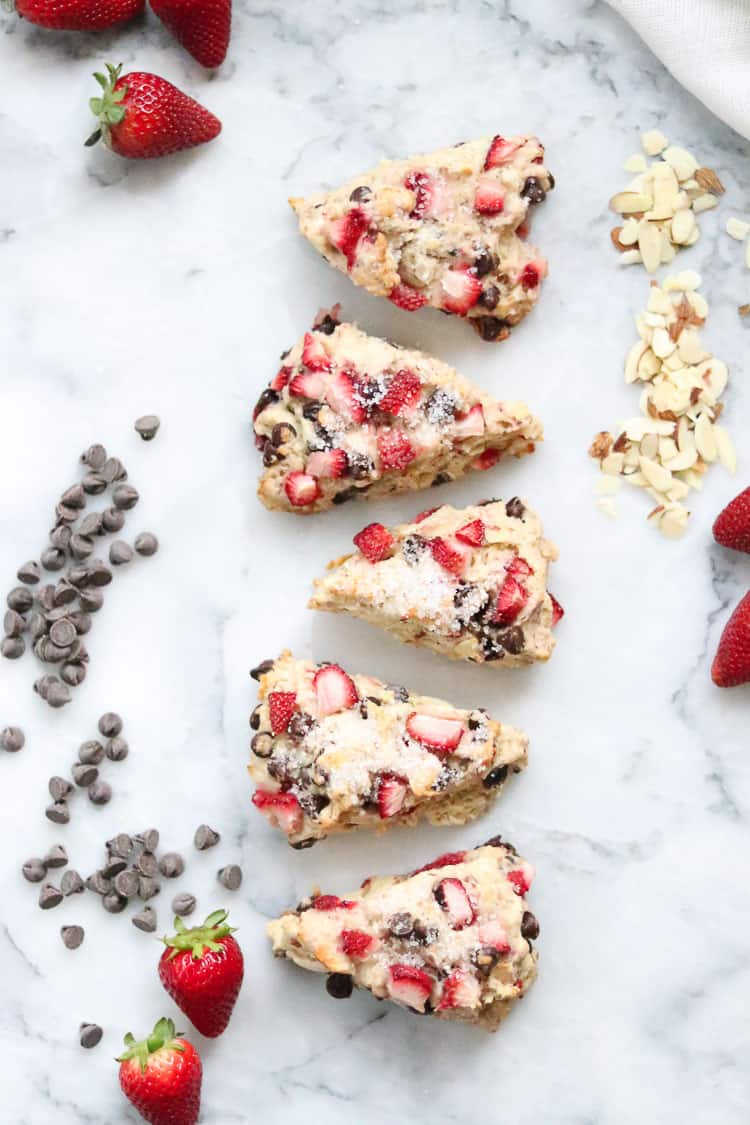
column 469, row 583
column 453, row 939
column 334, row 751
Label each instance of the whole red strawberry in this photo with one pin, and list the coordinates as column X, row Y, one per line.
column 161, row 1076
column 142, row 115
column 202, row 970
column 78, row 15
column 731, row 664
column 732, row 527
column 201, row 26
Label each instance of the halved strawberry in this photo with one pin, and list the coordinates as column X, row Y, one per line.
column 410, row 986
column 500, row 152
column 447, row 859
column 518, row 567
column 427, row 512
column 521, row 879
column 301, row 489
column 461, row 290
column 332, row 902
column 402, row 394
column 309, row 384
column 395, row 449
column 328, row 463
column 530, row 276
column 404, row 297
column 452, row 897
column 472, row 533
column 346, row 233
column 510, row 601
column 281, row 378
column 421, row 184
column 451, row 556
column 557, row 610
column 281, row 707
column 470, row 424
column 435, row 732
column 489, row 198
column 487, row 459
column 341, row 396
column 392, row 791
column 314, row 355
column 492, row 933
column 357, row 944
column 281, row 809
column 460, row 990
column 374, row 541
column 335, row 690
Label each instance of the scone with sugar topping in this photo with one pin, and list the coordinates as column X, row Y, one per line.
column 452, row 940
column 470, row 583
column 440, row 229
column 334, row 751
column 350, row 415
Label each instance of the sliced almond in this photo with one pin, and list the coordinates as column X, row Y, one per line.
column 709, row 181
column 650, row 446
column 636, row 163
column 606, row 506
column 633, row 359
column 683, row 226
column 704, row 438
column 629, row 258
column 704, row 203
column 661, row 343
column 656, row 475
column 649, row 244
column 682, row 461
column 614, row 235
column 613, row 464
column 738, row 228
column 626, row 202
column 629, row 232
column 667, row 449
column 725, row 449
column 673, row 521
column 689, row 347
column 684, row 163
column 653, row 142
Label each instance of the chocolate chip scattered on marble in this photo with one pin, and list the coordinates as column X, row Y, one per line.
column 98, row 883
column 58, row 812
column 120, row 553
column 14, row 623
column 114, row 865
column 12, row 647
column 12, row 739
column 72, row 936
column 183, row 904
column 117, row 749
column 110, row 724
column 146, row 544
column 145, row 920
column 205, row 837
column 29, row 573
column 121, row 845
column 230, row 876
column 100, row 792
column 146, row 864
column 58, row 694
column 126, row 883
column 34, row 870
column 59, row 788
column 84, row 774
column 49, row 896
column 89, row 1035
column 113, row 520
column 114, row 903
column 71, row 883
column 125, row 497
column 56, row 856
column 171, row 865
column 91, row 752
column 147, row 426
column 147, row 888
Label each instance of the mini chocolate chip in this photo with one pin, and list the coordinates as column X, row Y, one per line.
column 205, row 837
column 183, row 904
column 114, row 903
column 147, row 887
column 100, row 792
column 339, row 986
column 29, row 572
column 60, row 537
column 117, row 749
column 93, row 484
column 53, row 558
column 262, row 744
column 490, row 327
column 34, row 870
column 311, row 410
column 89, row 1035
column 533, row 190
column 58, row 694
column 441, row 478
column 401, row 925
column 515, row 508
column 65, row 513
column 37, row 626
column 13, row 623
column 72, row 936
column 361, row 194
column 147, row 426
column 56, row 856
column 43, row 684
column 488, row 299
column 58, row 812
column 81, row 546
column 267, row 398
column 81, row 621
column 71, row 883
column 282, row 433
column 146, row 864
column 65, row 593
column 529, row 926
column 126, row 883
column 261, row 669
column 84, row 774
column 484, row 262
column 145, row 920
column 345, row 495
column 255, row 718
column 99, row 883
column 121, row 845
column 113, row 470
column 171, row 865
column 512, row 640
column 485, row 958
column 79, row 576
column 303, row 845
column 424, row 935
column 114, row 865
column 113, row 519
column 495, row 777
column 91, row 600
column 49, row 896
column 20, row 599
column 63, row 632
column 230, row 876
column 400, row 694
column 146, row 544
column 91, row 752
column 90, row 525
column 120, row 552
column 110, row 724
column 149, row 838
column 73, row 673
column 300, row 726
column 100, row 575
column 12, row 739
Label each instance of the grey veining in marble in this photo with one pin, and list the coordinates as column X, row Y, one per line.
column 172, row 288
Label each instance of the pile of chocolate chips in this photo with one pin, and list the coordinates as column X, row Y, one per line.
column 85, row 772
column 53, row 617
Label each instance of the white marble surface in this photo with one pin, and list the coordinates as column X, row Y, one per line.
column 172, row 288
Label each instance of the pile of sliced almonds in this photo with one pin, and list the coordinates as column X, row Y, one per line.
column 667, row 449
column 660, row 205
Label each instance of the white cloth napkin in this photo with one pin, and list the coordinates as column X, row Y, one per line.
column 705, row 44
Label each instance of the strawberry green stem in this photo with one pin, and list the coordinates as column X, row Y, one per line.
column 107, row 107
column 200, row 938
column 163, row 1035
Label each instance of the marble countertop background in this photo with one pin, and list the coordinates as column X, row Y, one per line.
column 171, row 288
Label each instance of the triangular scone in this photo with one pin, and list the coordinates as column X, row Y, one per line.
column 468, row 583
column 451, row 940
column 440, row 230
column 334, row 751
column 351, row 415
